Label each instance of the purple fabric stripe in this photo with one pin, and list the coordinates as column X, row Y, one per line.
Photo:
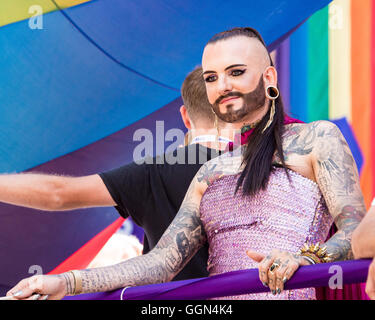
column 283, row 68
column 235, row 283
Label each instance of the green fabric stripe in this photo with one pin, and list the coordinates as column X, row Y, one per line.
column 317, row 71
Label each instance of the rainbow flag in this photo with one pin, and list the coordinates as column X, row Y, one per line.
column 328, row 72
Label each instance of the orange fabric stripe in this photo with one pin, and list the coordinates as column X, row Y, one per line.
column 372, row 121
column 361, row 88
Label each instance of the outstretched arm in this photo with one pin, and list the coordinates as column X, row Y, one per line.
column 53, row 192
column 182, row 239
column 179, row 243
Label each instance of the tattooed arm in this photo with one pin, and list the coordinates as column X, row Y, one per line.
column 327, row 153
column 182, row 239
column 337, row 176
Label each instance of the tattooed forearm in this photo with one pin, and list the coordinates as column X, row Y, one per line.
column 187, row 234
column 141, row 270
column 339, row 245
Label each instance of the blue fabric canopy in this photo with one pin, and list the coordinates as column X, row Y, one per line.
column 98, row 67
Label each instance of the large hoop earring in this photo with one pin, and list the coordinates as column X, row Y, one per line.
column 272, row 93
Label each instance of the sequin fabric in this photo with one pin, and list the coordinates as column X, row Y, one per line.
column 284, row 216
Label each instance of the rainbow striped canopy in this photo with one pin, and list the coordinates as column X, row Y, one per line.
column 79, row 80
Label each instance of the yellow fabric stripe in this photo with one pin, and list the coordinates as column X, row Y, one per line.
column 340, row 59
column 17, row 10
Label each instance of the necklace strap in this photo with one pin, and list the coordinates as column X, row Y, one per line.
column 209, row 138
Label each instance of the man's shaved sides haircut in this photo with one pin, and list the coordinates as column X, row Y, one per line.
column 262, row 145
column 194, row 95
column 236, row 32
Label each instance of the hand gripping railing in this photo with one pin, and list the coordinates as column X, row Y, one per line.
column 238, row 282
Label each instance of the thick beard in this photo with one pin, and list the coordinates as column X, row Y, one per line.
column 253, row 100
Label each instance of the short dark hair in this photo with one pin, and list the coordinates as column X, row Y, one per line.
column 194, row 95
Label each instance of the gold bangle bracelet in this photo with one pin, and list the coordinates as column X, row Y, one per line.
column 77, row 282
column 315, row 252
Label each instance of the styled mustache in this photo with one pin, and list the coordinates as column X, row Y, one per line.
column 230, row 94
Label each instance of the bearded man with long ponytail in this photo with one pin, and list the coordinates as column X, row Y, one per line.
column 268, row 207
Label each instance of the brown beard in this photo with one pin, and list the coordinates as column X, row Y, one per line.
column 253, row 100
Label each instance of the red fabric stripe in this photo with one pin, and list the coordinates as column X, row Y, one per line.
column 84, row 255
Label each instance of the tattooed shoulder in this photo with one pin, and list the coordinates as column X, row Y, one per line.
column 298, row 139
column 218, row 167
column 302, row 139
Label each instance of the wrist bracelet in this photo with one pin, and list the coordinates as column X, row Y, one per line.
column 77, row 282
column 309, row 259
column 316, row 253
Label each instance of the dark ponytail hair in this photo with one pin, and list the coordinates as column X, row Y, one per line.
column 260, row 150
column 261, row 147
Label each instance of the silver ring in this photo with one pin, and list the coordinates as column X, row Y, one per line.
column 274, row 266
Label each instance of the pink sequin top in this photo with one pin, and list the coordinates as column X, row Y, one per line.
column 284, row 216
